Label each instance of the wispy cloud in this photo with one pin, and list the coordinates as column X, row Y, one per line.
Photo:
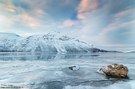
column 8, row 6
column 117, row 26
column 28, row 20
column 39, row 11
column 121, row 20
column 69, row 23
column 127, row 12
column 85, row 7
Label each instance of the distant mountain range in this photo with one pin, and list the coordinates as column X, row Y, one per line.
column 50, row 43
column 102, row 50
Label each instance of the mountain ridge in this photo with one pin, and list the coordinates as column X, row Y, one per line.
column 51, row 43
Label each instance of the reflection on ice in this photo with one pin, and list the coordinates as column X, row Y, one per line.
column 42, row 56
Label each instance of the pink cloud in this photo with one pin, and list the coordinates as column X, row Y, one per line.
column 69, row 23
column 86, row 6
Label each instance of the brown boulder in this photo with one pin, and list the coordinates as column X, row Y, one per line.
column 116, row 71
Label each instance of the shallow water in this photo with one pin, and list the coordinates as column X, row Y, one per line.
column 50, row 71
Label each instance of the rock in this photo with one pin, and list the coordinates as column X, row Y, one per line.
column 115, row 71
column 74, row 67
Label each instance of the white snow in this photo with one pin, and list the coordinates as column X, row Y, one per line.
column 51, row 43
column 7, row 40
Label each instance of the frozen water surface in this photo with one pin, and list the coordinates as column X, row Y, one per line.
column 50, row 71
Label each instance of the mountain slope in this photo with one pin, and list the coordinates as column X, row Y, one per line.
column 7, row 40
column 51, row 43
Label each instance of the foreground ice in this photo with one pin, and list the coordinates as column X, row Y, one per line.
column 120, row 85
column 54, row 73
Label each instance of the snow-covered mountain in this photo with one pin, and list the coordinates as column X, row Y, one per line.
column 52, row 43
column 7, row 41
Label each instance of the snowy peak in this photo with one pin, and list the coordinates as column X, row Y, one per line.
column 8, row 36
column 51, row 43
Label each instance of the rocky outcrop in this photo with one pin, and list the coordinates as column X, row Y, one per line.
column 115, row 71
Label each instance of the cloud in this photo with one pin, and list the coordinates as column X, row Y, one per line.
column 39, row 11
column 15, row 14
column 104, row 24
column 96, row 21
column 69, row 23
column 8, row 6
column 85, row 7
column 37, row 7
column 28, row 20
column 35, row 13
column 91, row 18
column 121, row 20
column 117, row 26
column 127, row 12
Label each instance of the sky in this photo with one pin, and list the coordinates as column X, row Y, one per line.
column 108, row 24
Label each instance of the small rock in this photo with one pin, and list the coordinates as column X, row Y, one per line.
column 74, row 67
